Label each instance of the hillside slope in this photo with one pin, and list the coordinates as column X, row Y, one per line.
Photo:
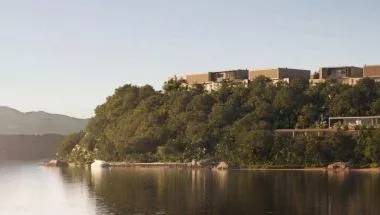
column 236, row 124
column 13, row 122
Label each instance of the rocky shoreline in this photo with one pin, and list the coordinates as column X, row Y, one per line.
column 334, row 167
column 100, row 163
column 156, row 164
column 193, row 164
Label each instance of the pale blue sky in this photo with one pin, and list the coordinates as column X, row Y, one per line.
column 67, row 56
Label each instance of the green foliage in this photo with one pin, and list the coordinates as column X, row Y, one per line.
column 368, row 147
column 235, row 124
column 67, row 145
column 81, row 156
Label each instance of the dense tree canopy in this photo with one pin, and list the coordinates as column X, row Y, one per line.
column 235, row 123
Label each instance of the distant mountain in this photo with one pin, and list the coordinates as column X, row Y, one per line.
column 14, row 122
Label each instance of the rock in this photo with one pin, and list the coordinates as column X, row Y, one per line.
column 193, row 163
column 222, row 165
column 56, row 163
column 339, row 166
column 100, row 164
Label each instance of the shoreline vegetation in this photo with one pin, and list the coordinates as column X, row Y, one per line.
column 236, row 124
column 55, row 163
column 254, row 167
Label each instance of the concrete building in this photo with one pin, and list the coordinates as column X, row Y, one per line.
column 277, row 74
column 352, row 122
column 372, row 71
column 231, row 75
column 213, row 80
column 198, row 78
column 340, row 72
column 344, row 74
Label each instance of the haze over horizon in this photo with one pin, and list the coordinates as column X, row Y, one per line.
column 66, row 57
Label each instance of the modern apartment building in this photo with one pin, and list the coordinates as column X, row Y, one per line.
column 372, row 71
column 198, row 78
column 278, row 74
column 344, row 74
column 340, row 72
column 213, row 80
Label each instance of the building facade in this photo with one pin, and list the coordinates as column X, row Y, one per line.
column 355, row 121
column 213, row 80
column 340, row 72
column 278, row 74
column 198, row 78
column 344, row 74
column 372, row 71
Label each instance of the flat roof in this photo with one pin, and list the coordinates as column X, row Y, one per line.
column 339, row 67
column 355, row 117
column 376, row 65
column 277, row 68
column 234, row 70
column 307, row 130
column 204, row 73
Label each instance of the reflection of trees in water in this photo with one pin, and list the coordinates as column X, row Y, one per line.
column 353, row 193
column 323, row 193
column 75, row 174
column 87, row 180
column 186, row 191
column 365, row 195
column 97, row 175
column 149, row 190
column 167, row 190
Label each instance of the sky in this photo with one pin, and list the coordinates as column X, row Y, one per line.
column 67, row 56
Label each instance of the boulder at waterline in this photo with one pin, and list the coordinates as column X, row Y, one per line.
column 339, row 166
column 56, row 163
column 222, row 165
column 100, row 164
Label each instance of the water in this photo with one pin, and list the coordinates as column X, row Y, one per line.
column 26, row 188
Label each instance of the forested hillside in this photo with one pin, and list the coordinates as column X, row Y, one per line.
column 235, row 124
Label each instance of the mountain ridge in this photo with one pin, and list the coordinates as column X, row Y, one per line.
column 13, row 121
column 39, row 111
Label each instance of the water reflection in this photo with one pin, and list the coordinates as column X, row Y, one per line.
column 27, row 188
column 182, row 191
column 30, row 189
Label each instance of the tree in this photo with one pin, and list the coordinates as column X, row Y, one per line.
column 67, row 145
column 308, row 115
column 236, row 123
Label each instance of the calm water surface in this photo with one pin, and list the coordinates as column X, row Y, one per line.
column 26, row 188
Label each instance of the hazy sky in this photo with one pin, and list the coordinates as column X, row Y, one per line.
column 67, row 56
